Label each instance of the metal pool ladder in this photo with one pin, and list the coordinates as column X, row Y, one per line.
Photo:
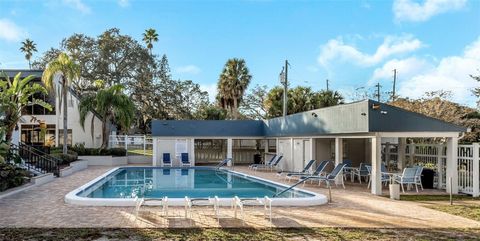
column 222, row 163
column 291, row 187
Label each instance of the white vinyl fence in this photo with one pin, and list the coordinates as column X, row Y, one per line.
column 134, row 144
column 435, row 157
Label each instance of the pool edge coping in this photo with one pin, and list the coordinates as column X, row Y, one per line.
column 73, row 198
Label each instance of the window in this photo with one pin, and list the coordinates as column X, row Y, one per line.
column 38, row 110
column 32, row 135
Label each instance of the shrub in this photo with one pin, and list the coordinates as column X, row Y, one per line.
column 12, row 176
column 118, row 152
column 71, row 156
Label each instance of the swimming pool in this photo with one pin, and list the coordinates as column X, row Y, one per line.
column 119, row 187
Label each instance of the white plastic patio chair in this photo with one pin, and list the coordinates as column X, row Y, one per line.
column 158, row 202
column 191, row 202
column 239, row 204
column 408, row 177
column 138, row 204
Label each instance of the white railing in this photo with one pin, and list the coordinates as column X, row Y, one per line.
column 134, row 144
column 435, row 157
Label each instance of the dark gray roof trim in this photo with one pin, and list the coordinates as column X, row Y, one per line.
column 208, row 128
column 393, row 119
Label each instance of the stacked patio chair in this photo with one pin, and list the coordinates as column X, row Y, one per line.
column 346, row 173
column 269, row 167
column 274, row 157
column 240, row 203
column 166, row 161
column 305, row 171
column 362, row 172
column 385, row 178
column 331, row 177
column 319, row 171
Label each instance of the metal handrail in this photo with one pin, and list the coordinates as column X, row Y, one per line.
column 222, row 163
column 35, row 161
column 291, row 187
column 39, row 152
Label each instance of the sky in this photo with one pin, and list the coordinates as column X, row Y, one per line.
column 433, row 44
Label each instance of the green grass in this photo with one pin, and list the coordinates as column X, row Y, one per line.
column 238, row 234
column 140, row 152
column 470, row 211
column 428, row 198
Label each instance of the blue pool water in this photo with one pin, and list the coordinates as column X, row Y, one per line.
column 195, row 182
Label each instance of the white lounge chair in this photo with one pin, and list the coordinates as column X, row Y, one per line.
column 184, row 161
column 191, row 202
column 138, row 205
column 239, row 204
column 274, row 157
column 269, row 167
column 158, row 202
column 166, row 161
column 305, row 171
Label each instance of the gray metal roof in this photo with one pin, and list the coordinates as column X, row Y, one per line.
column 208, row 128
column 354, row 118
column 25, row 72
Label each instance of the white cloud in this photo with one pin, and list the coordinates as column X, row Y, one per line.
column 408, row 10
column 9, row 31
column 188, row 69
column 337, row 50
column 451, row 73
column 407, row 68
column 211, row 89
column 123, row 3
column 79, row 5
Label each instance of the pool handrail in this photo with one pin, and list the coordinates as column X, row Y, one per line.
column 222, row 163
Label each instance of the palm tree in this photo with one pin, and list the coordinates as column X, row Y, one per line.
column 232, row 83
column 67, row 70
column 15, row 95
column 149, row 37
column 327, row 98
column 28, row 47
column 112, row 105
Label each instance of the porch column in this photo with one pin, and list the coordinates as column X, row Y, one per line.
column 290, row 167
column 401, row 151
column 452, row 161
column 338, row 157
column 155, row 151
column 312, row 149
column 192, row 151
column 476, row 170
column 230, row 151
column 376, row 182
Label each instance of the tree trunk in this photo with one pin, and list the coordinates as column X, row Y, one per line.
column 235, row 109
column 65, row 109
column 9, row 132
column 105, row 131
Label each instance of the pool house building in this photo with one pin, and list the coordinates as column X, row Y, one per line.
column 362, row 132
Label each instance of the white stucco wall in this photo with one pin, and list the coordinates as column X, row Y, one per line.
column 79, row 135
column 168, row 145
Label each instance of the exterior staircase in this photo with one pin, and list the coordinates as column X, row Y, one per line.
column 36, row 161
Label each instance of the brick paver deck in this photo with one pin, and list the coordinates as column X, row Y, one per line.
column 44, row 206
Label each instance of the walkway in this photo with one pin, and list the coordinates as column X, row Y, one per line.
column 43, row 206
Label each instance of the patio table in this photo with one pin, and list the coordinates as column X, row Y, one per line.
column 391, row 175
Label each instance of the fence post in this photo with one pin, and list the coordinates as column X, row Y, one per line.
column 126, row 141
column 439, row 166
column 476, row 169
column 144, row 145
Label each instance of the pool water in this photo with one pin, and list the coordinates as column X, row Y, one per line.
column 194, row 182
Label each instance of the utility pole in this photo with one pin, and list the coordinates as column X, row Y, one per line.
column 394, row 82
column 284, row 81
column 378, row 91
column 327, row 84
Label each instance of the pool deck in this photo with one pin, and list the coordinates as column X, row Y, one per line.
column 44, row 206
